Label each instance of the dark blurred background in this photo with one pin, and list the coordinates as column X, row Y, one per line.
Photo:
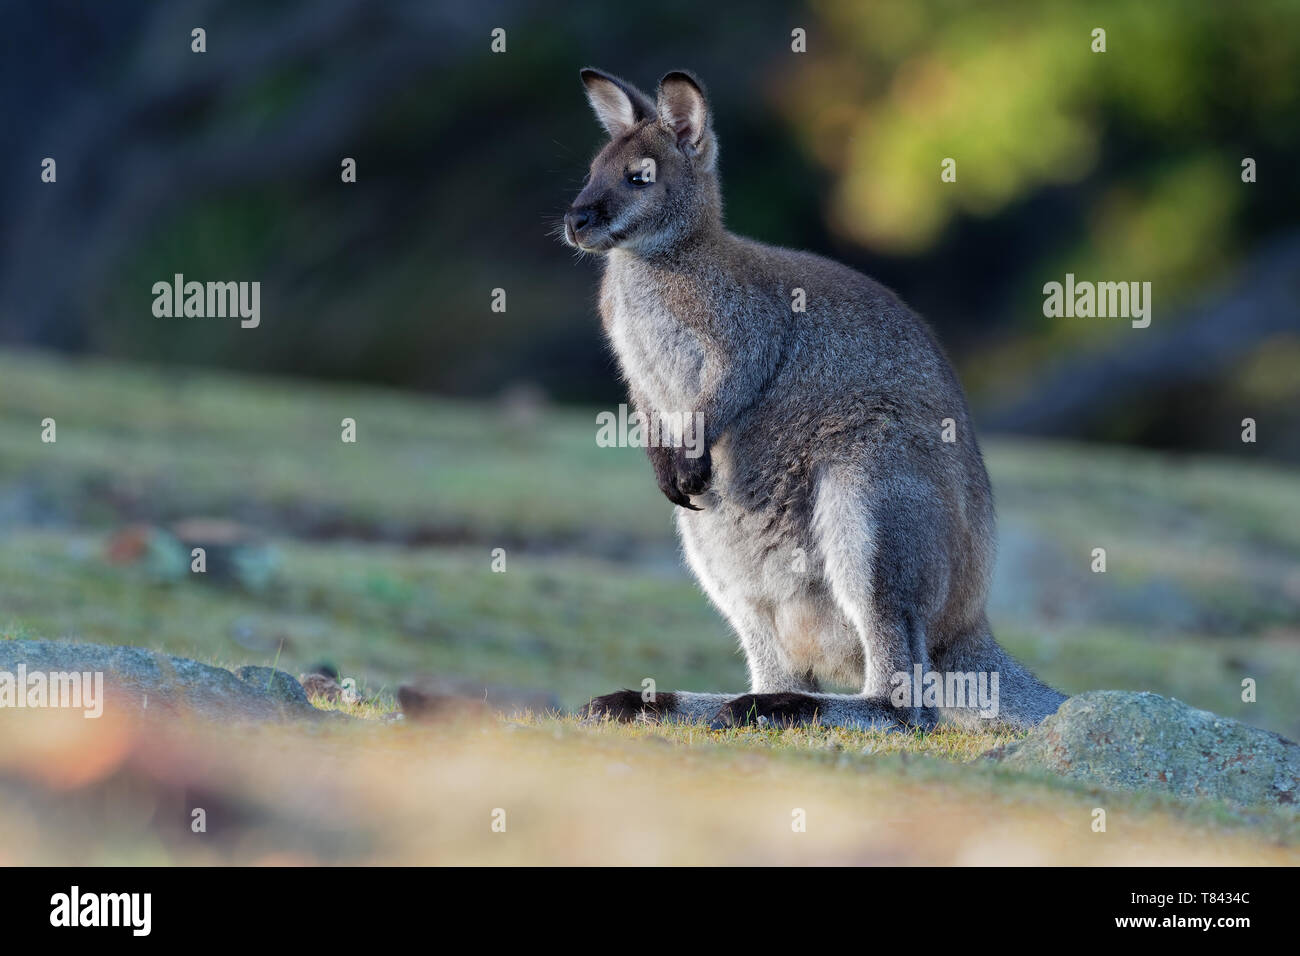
column 1122, row 166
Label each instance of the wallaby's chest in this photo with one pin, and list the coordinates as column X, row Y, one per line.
column 660, row 350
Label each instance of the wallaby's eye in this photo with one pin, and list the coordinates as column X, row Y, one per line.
column 642, row 175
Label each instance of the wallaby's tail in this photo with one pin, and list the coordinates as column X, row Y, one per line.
column 1022, row 700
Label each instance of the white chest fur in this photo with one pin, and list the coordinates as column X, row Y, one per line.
column 661, row 356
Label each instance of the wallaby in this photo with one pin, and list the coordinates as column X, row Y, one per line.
column 824, row 514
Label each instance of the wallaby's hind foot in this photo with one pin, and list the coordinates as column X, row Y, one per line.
column 797, row 710
column 783, row 709
column 1024, row 702
column 629, row 706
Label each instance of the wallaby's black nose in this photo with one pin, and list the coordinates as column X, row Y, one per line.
column 575, row 220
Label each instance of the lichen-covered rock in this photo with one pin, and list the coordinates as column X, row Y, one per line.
column 276, row 683
column 1133, row 741
column 146, row 683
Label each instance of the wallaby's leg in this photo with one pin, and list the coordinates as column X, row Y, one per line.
column 874, row 593
column 769, row 669
column 886, row 644
column 1023, row 701
column 767, row 673
column 707, row 544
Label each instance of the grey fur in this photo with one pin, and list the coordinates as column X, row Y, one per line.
column 842, row 538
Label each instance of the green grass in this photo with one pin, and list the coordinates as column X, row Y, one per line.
column 383, row 614
column 385, row 546
column 383, row 557
column 174, row 442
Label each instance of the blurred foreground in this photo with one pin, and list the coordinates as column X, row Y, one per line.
column 75, row 791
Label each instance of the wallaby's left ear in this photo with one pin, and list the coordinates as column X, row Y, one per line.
column 618, row 104
column 684, row 112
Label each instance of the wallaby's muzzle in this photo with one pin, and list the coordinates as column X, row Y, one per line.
column 577, row 222
column 587, row 223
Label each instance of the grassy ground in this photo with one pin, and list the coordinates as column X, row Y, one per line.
column 383, row 566
column 77, row 791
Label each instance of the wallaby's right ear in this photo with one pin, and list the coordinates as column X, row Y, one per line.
column 684, row 112
column 619, row 105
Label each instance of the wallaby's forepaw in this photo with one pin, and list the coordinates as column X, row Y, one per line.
column 783, row 710
column 694, row 474
column 626, row 706
column 680, row 476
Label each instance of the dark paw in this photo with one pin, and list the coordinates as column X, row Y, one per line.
column 783, row 710
column 626, row 706
column 694, row 474
column 679, row 476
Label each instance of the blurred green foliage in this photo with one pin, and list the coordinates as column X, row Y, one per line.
column 1150, row 134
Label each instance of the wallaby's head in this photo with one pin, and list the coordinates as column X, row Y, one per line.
column 655, row 181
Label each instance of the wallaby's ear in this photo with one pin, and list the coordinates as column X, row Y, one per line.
column 684, row 112
column 619, row 105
